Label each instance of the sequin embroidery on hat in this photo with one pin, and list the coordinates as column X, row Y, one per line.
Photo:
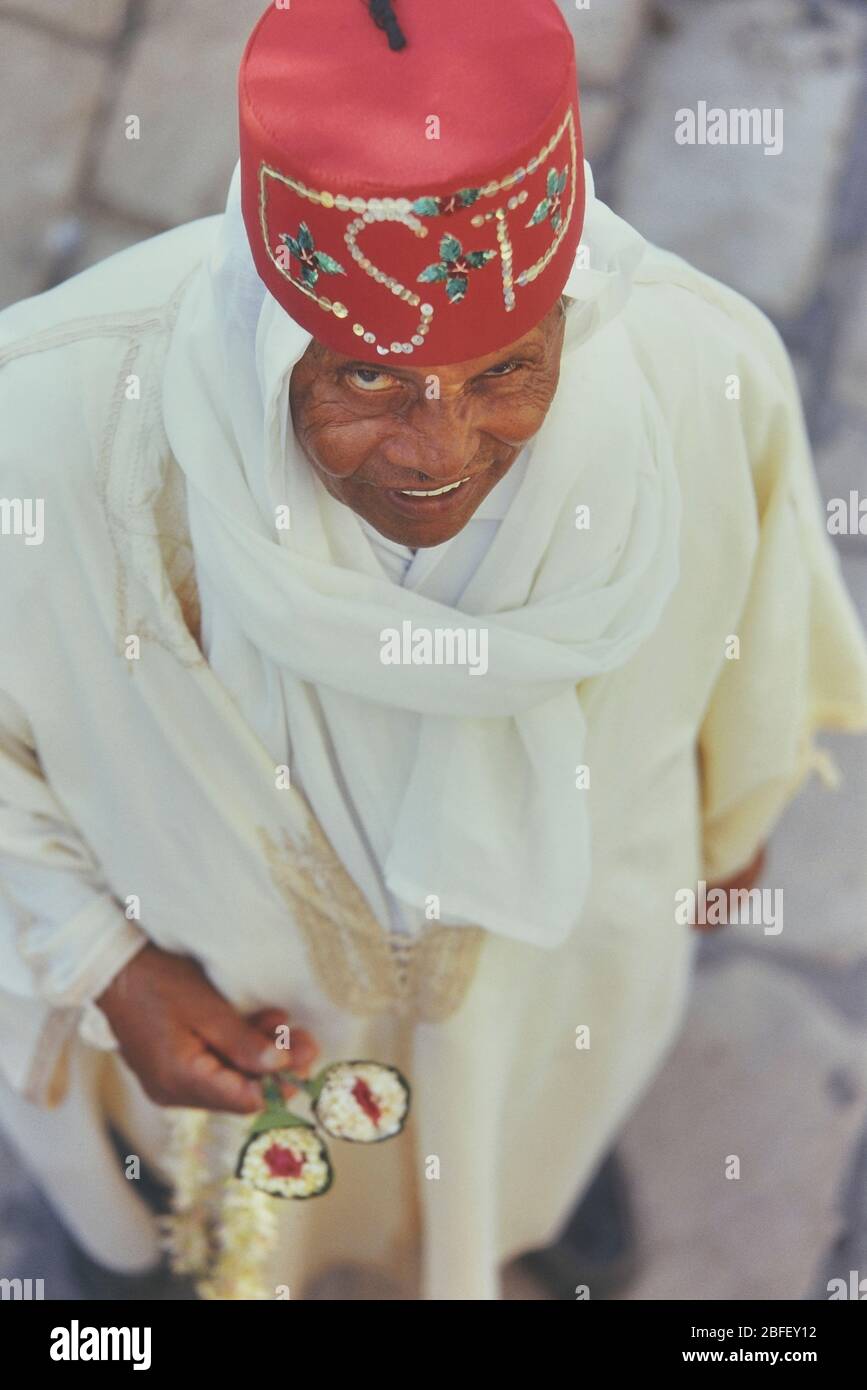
column 445, row 207
column 312, row 261
column 553, row 204
column 454, row 270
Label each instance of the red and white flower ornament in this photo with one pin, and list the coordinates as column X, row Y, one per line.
column 284, row 1156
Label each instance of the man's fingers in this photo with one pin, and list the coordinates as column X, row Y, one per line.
column 302, row 1049
column 299, row 1059
column 274, row 1023
column 214, row 1086
column 240, row 1043
column 218, row 1071
column 269, row 1020
column 251, row 1044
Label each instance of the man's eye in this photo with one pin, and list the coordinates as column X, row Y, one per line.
column 369, row 379
column 503, row 369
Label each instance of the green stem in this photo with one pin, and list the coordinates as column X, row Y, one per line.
column 273, row 1094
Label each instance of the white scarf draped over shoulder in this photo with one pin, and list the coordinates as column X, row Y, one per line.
column 445, row 793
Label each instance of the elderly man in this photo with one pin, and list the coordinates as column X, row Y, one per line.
column 418, row 397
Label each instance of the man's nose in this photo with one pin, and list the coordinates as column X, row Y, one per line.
column 437, row 439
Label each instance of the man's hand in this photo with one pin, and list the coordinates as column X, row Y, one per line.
column 744, row 881
column 187, row 1045
column 748, row 877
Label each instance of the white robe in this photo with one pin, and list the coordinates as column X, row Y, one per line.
column 138, row 778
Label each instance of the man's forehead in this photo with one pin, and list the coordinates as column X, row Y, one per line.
column 534, row 342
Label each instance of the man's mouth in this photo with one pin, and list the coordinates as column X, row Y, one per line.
column 434, row 492
column 425, row 504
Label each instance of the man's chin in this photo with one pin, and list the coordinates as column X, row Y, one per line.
column 423, row 535
column 421, row 522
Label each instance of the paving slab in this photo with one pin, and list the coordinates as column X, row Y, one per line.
column 601, row 113
column 32, row 1243
column 818, row 858
column 764, row 1073
column 607, row 34
column 850, row 383
column 761, row 223
column 88, row 19
column 101, row 235
column 181, row 84
column 850, row 1250
column 841, row 466
column 48, row 123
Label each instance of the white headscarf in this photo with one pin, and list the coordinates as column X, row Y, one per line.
column 443, row 793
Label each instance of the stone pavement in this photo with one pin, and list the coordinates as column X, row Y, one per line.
column 772, row 1064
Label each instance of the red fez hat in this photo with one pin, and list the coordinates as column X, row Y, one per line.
column 412, row 171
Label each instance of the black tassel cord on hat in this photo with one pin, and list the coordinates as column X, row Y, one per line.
column 385, row 18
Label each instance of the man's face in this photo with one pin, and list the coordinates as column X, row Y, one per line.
column 373, row 434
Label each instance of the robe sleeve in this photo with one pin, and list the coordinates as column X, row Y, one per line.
column 803, row 663
column 63, row 936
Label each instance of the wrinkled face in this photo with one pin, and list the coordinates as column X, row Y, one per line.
column 386, row 441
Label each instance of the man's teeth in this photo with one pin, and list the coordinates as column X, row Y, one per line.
column 438, row 492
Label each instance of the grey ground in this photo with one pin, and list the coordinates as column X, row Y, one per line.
column 772, row 1064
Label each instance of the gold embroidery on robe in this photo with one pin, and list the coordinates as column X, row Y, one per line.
column 362, row 967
